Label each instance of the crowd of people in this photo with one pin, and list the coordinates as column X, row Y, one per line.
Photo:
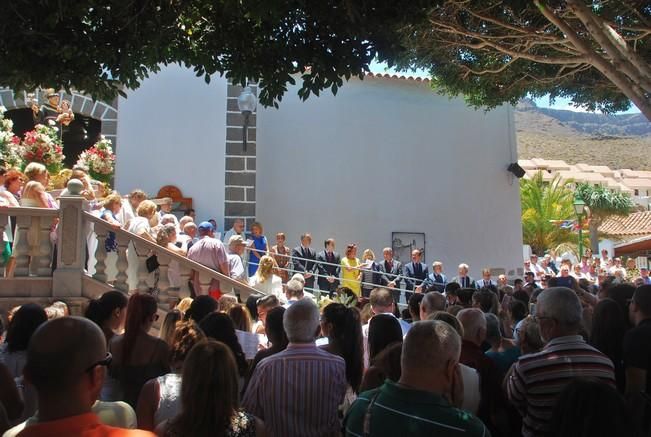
column 564, row 351
column 501, row 360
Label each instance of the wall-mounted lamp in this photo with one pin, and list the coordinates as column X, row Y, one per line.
column 246, row 103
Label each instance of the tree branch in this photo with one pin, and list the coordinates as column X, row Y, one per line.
column 621, row 57
column 605, row 67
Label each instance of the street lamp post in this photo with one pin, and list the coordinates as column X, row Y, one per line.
column 579, row 208
column 246, row 103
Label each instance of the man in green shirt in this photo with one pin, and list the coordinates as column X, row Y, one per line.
column 418, row 404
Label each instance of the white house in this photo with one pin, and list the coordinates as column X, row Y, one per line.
column 386, row 155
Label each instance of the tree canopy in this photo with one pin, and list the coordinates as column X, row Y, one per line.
column 596, row 53
column 491, row 51
column 101, row 46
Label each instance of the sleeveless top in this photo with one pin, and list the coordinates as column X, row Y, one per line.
column 242, row 425
column 169, row 403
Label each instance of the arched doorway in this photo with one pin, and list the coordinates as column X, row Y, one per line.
column 92, row 119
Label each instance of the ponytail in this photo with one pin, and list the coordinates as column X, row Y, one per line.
column 347, row 333
column 141, row 307
column 100, row 310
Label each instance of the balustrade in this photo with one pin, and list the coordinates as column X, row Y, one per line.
column 33, row 249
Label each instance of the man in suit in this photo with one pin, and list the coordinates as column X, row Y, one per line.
column 415, row 273
column 463, row 279
column 303, row 258
column 486, row 281
column 391, row 272
column 328, row 273
column 436, row 280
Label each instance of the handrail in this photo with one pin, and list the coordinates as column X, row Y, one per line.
column 193, row 265
column 359, row 267
column 29, row 211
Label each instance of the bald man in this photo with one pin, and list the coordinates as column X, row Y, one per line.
column 472, row 355
column 418, row 404
column 431, row 303
column 66, row 361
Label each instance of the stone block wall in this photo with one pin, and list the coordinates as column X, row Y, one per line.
column 240, row 175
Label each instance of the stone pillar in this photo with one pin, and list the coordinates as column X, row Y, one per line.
column 239, row 199
column 67, row 280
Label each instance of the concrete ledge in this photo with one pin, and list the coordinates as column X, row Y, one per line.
column 25, row 287
column 92, row 289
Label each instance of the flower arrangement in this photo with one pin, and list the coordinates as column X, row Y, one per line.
column 10, row 148
column 44, row 146
column 99, row 160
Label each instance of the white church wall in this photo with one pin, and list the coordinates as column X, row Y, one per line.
column 172, row 131
column 388, row 155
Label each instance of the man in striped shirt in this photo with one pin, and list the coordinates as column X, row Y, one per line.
column 536, row 380
column 297, row 392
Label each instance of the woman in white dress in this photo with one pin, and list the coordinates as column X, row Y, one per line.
column 265, row 281
column 141, row 226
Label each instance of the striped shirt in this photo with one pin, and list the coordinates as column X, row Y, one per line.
column 297, row 392
column 538, row 379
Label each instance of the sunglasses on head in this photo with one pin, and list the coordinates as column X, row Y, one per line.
column 105, row 362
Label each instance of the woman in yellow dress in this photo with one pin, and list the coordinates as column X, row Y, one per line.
column 350, row 272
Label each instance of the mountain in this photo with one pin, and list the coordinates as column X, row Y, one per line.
column 618, row 141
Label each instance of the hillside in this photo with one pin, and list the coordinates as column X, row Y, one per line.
column 620, row 141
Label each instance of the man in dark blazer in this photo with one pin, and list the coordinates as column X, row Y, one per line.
column 328, row 274
column 303, row 258
column 415, row 273
column 391, row 272
column 436, row 280
column 463, row 279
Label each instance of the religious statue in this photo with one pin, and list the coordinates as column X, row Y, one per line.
column 61, row 114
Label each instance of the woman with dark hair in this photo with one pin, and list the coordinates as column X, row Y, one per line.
column 386, row 365
column 219, row 326
column 240, row 317
column 383, row 329
column 200, row 307
column 209, row 397
column 138, row 356
column 277, row 337
column 609, row 325
column 109, row 312
column 13, row 352
column 622, row 294
column 342, row 326
column 159, row 398
column 591, row 408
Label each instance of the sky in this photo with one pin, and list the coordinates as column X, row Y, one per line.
column 543, row 102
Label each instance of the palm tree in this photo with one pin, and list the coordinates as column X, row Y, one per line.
column 602, row 203
column 544, row 205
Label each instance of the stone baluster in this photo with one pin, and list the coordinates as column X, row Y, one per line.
column 204, row 283
column 42, row 261
column 163, row 280
column 21, row 245
column 71, row 241
column 186, row 275
column 100, row 253
column 143, row 274
column 122, row 264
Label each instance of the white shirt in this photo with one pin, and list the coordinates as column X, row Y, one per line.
column 273, row 285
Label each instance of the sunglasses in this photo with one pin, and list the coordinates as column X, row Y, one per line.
column 105, row 362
